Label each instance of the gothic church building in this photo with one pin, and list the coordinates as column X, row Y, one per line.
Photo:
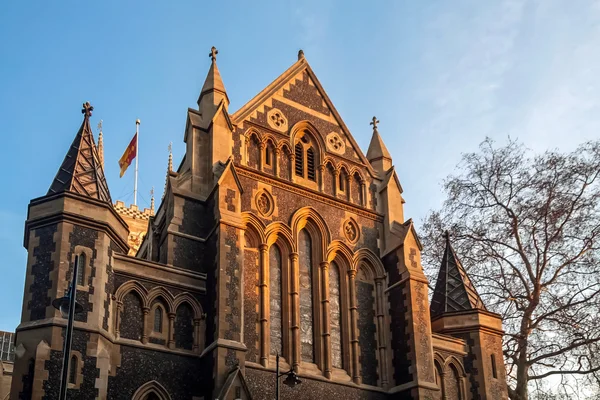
column 276, row 235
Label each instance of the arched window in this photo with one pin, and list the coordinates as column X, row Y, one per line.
column 253, row 152
column 131, row 320
column 306, row 297
column 276, row 327
column 184, row 327
column 73, row 370
column 357, row 196
column 158, row 319
column 367, row 329
column 335, row 311
column 80, row 260
column 305, row 150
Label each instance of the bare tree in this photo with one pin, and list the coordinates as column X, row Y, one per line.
column 527, row 228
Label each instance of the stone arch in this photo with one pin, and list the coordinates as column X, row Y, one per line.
column 308, row 217
column 369, row 260
column 162, row 294
column 338, row 248
column 185, row 297
column 255, row 229
column 305, row 125
column 452, row 360
column 132, row 286
column 149, row 388
column 280, row 233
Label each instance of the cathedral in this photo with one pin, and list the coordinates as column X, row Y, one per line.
column 277, row 240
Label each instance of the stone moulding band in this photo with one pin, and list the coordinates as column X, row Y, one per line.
column 323, row 198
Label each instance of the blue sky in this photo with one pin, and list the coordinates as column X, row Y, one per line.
column 439, row 75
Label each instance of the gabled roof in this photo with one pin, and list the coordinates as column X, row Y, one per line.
column 453, row 289
column 279, row 82
column 81, row 171
column 234, row 378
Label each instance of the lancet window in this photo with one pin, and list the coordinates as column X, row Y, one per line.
column 305, row 260
column 335, row 310
column 305, row 157
column 276, row 327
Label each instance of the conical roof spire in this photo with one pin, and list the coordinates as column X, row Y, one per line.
column 213, row 90
column 453, row 289
column 377, row 154
column 81, row 171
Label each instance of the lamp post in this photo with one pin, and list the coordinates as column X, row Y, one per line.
column 291, row 380
column 68, row 307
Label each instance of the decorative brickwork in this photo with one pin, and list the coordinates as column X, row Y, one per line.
column 41, row 270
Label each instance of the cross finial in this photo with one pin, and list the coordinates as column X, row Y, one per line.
column 100, row 126
column 213, row 53
column 374, row 122
column 87, row 109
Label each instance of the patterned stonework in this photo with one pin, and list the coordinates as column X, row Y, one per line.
column 277, row 120
column 335, row 143
column 264, row 203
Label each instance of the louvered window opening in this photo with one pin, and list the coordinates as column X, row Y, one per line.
column 310, row 164
column 299, row 159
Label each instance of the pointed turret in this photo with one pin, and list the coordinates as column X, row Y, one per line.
column 378, row 155
column 169, row 168
column 81, row 171
column 453, row 289
column 213, row 91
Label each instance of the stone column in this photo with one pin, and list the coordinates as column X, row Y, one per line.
column 363, row 194
column 276, row 161
column 118, row 319
column 326, row 330
column 348, row 188
column 443, row 385
column 245, row 152
column 264, row 304
column 354, row 326
column 381, row 339
column 171, row 342
column 146, row 310
column 321, row 177
column 336, row 179
column 196, row 334
column 295, row 310
column 292, row 158
column 261, row 156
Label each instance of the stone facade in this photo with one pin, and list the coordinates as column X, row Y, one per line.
column 276, row 235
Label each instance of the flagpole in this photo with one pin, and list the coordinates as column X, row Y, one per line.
column 137, row 158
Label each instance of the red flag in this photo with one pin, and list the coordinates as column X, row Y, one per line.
column 128, row 156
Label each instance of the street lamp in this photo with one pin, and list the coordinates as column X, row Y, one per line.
column 291, row 379
column 68, row 307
